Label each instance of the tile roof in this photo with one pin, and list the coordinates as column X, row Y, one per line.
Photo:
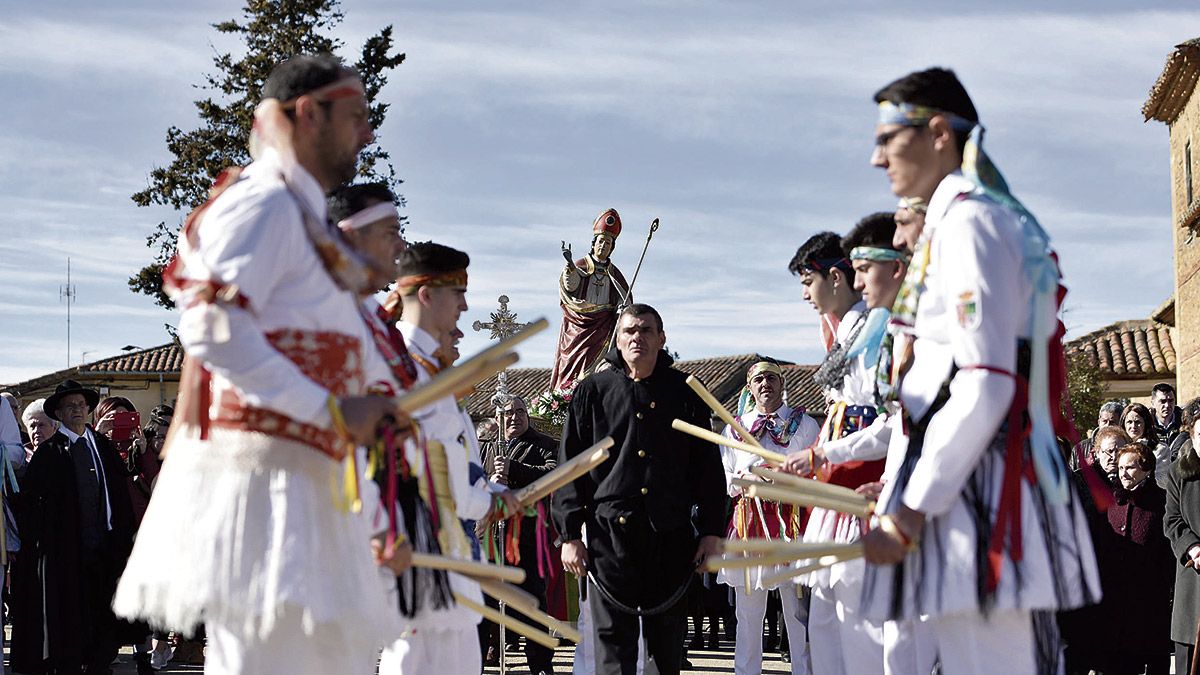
column 1174, row 86
column 164, row 359
column 723, row 375
column 1129, row 350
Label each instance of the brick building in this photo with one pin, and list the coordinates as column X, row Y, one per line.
column 1172, row 100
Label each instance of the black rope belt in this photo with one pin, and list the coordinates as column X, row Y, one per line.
column 655, row 610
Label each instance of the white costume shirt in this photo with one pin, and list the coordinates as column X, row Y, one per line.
column 263, row 528
column 443, row 422
column 738, row 463
column 976, row 304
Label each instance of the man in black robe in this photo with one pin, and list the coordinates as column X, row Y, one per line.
column 524, row 457
column 76, row 534
column 642, row 547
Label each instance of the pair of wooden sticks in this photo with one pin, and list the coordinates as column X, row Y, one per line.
column 785, row 488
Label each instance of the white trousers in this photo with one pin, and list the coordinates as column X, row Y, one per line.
column 909, row 647
column 434, row 652
column 585, row 652
column 842, row 640
column 968, row 643
column 750, row 611
column 286, row 650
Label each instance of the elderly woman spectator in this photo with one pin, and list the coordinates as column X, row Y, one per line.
column 39, row 425
column 1182, row 527
column 1138, row 422
column 1088, row 632
column 1138, row 568
column 1109, row 416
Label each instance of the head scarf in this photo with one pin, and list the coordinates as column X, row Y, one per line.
column 1047, row 395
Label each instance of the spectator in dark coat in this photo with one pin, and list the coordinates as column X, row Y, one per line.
column 1140, row 570
column 1088, row 632
column 1182, row 527
column 77, row 531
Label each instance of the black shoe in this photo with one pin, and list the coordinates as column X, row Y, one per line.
column 786, row 657
column 143, row 664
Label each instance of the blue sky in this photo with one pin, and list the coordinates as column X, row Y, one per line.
column 744, row 127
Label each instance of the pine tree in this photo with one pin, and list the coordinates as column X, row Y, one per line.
column 271, row 31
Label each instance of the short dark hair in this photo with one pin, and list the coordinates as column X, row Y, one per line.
column 820, row 253
column 876, row 231
column 1162, row 388
column 936, row 88
column 428, row 257
column 301, row 74
column 350, row 199
column 641, row 309
column 1191, row 414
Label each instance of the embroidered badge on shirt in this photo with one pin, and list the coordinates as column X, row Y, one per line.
column 968, row 310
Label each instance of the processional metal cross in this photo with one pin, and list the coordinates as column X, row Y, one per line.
column 503, row 325
column 504, row 322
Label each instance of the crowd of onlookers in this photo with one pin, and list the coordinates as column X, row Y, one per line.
column 78, row 472
column 1139, row 478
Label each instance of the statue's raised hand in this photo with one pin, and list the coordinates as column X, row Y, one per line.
column 566, row 251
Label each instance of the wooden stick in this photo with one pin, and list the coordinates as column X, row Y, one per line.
column 541, row 637
column 507, row 593
column 470, row 568
column 706, row 396
column 798, row 549
column 565, row 473
column 713, row 437
column 527, row 604
column 806, row 484
column 750, row 562
column 451, row 380
column 784, row 495
column 821, row 563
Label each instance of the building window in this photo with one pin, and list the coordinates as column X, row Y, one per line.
column 1187, row 170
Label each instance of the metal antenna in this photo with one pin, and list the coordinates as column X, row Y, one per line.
column 67, row 293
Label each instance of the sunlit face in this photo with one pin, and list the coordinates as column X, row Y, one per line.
column 1135, row 426
column 1164, row 405
column 444, row 305
column 73, row 412
column 516, row 418
column 40, row 427
column 818, row 289
column 639, row 339
column 343, row 130
column 1105, row 453
column 1129, row 472
column 1106, row 418
column 380, row 243
column 907, row 154
column 909, row 225
column 602, row 246
column 767, row 390
column 878, row 281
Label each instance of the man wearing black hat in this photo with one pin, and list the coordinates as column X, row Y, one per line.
column 77, row 530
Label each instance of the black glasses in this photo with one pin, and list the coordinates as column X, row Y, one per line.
column 882, row 140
